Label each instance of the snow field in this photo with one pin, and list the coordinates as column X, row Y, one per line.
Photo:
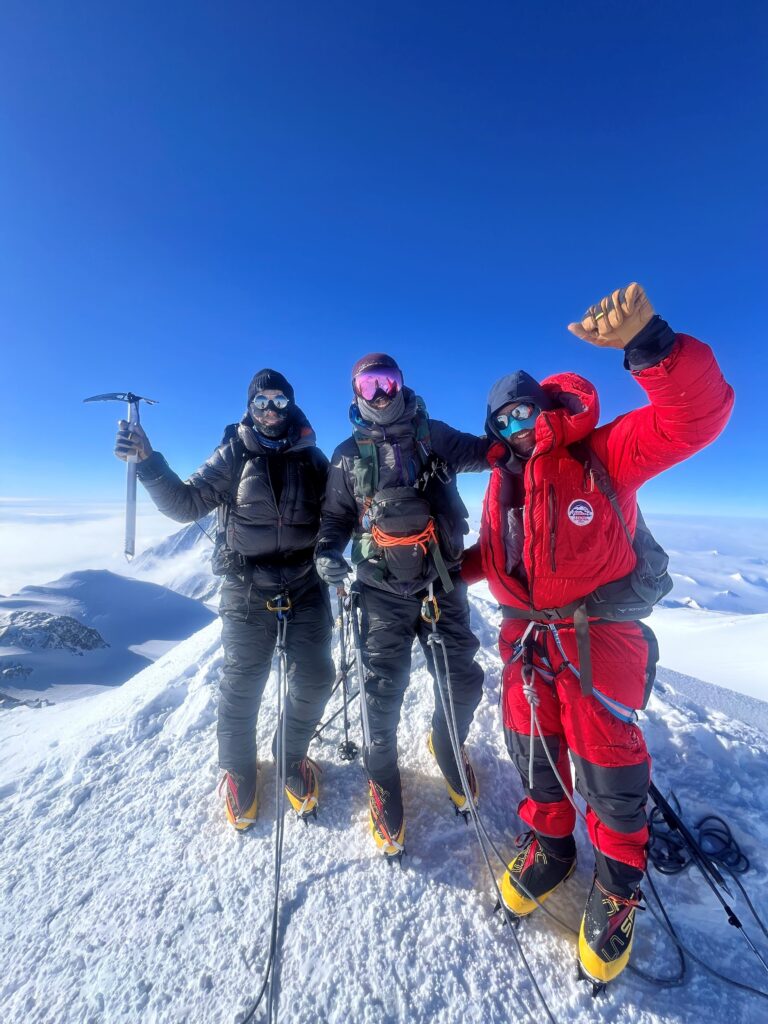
column 128, row 898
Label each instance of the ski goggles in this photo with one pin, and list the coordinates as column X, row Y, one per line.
column 276, row 402
column 386, row 380
column 522, row 417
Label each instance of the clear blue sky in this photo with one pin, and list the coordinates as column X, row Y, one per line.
column 191, row 191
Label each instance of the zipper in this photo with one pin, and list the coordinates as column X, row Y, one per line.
column 274, row 502
column 529, row 497
column 552, row 513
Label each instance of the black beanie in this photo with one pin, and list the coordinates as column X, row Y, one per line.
column 270, row 380
column 374, row 359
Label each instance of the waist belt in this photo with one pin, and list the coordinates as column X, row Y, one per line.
column 576, row 611
column 290, row 559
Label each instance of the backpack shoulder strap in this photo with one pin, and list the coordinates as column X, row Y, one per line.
column 595, row 468
column 423, row 437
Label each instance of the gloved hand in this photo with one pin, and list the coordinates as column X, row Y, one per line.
column 616, row 319
column 131, row 441
column 332, row 568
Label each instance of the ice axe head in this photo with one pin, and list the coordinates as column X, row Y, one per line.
column 124, row 396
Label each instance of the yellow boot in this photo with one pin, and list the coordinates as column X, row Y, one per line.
column 240, row 801
column 458, row 798
column 387, row 821
column 302, row 787
column 605, row 936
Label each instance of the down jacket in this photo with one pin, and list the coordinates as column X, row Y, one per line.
column 399, row 465
column 277, row 537
column 572, row 539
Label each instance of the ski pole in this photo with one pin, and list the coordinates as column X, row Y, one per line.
column 352, row 600
column 129, row 547
column 347, row 749
column 704, row 864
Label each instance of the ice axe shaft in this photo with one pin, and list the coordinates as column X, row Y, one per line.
column 131, row 474
column 130, row 488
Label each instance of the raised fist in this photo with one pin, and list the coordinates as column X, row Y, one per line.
column 616, row 319
column 132, row 441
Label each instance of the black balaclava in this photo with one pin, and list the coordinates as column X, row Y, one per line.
column 271, row 380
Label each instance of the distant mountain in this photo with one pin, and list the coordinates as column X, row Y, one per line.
column 90, row 627
column 182, row 561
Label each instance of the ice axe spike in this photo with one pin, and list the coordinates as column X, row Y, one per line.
column 130, row 492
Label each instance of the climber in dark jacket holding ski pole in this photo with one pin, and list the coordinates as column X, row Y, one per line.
column 391, row 487
column 566, row 554
column 267, row 479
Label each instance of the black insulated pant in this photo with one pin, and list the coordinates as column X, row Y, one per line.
column 248, row 635
column 389, row 626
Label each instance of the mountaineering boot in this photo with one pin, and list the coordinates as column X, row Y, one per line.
column 387, row 818
column 240, row 800
column 302, row 787
column 453, row 780
column 605, row 936
column 543, row 863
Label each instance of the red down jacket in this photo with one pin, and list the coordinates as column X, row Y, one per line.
column 573, row 540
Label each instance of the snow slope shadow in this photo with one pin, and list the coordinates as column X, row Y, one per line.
column 127, row 897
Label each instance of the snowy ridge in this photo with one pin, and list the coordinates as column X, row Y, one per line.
column 182, row 561
column 90, row 627
column 127, row 897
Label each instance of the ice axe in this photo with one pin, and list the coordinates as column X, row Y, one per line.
column 130, row 493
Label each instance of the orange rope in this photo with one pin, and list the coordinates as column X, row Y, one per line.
column 423, row 539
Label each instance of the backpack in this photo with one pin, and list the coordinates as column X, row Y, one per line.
column 634, row 595
column 397, row 524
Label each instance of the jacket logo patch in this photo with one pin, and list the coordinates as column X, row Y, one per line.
column 580, row 513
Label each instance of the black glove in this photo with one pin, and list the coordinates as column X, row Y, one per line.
column 332, row 568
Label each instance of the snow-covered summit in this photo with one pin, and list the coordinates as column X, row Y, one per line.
column 90, row 627
column 127, row 897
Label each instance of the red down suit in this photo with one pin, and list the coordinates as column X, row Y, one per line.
column 570, row 541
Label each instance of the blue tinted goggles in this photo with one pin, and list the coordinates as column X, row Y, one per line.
column 522, row 417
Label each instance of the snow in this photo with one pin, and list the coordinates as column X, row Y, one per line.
column 127, row 897
column 134, row 621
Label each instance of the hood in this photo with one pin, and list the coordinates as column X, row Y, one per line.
column 300, row 435
column 569, row 402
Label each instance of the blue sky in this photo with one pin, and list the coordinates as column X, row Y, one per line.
column 189, row 192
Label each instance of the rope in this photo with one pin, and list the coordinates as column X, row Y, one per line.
column 667, row 850
column 268, row 985
column 444, row 687
column 423, row 540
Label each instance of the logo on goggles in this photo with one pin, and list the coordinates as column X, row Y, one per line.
column 276, row 402
column 384, row 380
column 522, row 417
